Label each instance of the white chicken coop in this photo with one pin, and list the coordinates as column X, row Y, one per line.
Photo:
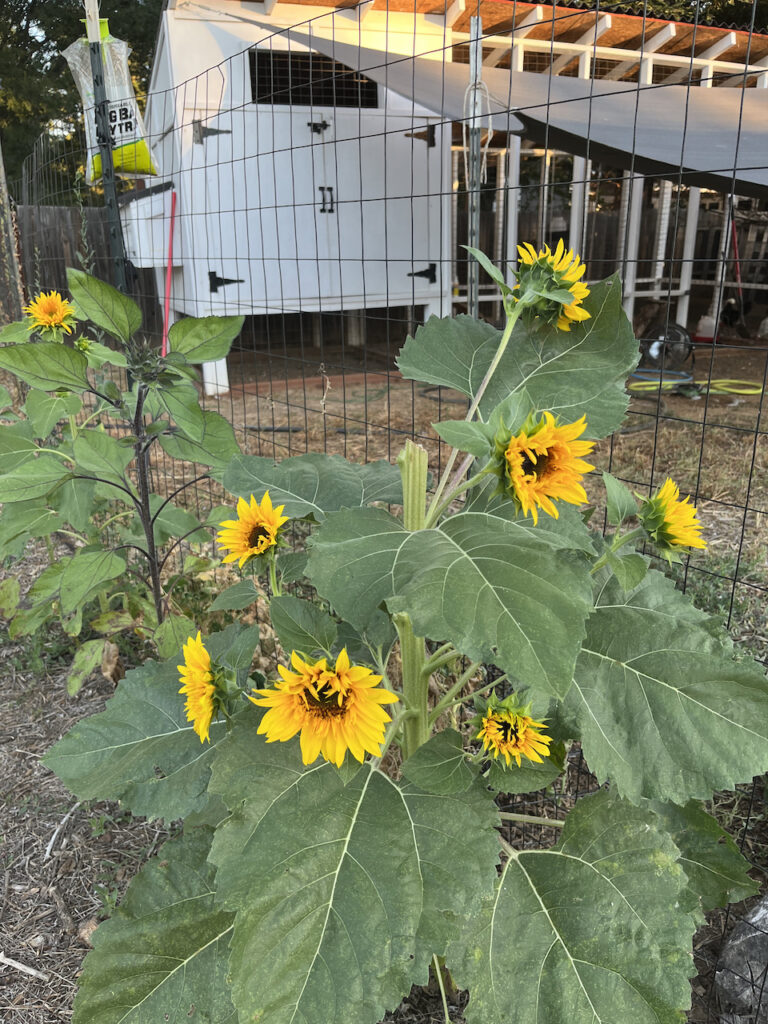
column 301, row 185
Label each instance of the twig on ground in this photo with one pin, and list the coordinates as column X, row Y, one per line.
column 59, row 827
column 23, row 968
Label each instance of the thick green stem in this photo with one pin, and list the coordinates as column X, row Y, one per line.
column 276, row 591
column 415, row 685
column 531, row 819
column 412, row 461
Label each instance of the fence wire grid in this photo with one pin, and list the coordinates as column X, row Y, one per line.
column 320, row 174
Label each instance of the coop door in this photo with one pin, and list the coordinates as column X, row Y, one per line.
column 387, row 172
column 267, row 237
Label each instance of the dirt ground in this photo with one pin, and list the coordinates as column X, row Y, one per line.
column 65, row 865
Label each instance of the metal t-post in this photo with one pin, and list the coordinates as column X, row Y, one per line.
column 474, row 162
column 104, row 139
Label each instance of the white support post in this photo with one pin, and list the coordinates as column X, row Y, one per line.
column 454, row 12
column 662, row 230
column 737, row 81
column 512, row 206
column 634, row 183
column 529, row 22
column 716, row 305
column 269, row 6
column 602, row 25
column 215, row 377
column 649, row 46
column 582, row 172
column 689, row 249
column 714, row 51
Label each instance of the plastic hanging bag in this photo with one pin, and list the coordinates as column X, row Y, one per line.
column 131, row 154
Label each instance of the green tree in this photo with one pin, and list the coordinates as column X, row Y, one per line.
column 37, row 92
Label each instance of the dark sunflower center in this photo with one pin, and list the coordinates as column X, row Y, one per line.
column 508, row 731
column 538, row 468
column 257, row 533
column 326, row 703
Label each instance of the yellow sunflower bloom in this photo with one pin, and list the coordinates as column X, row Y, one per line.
column 50, row 314
column 253, row 532
column 197, row 679
column 560, row 270
column 544, row 465
column 669, row 522
column 511, row 734
column 333, row 710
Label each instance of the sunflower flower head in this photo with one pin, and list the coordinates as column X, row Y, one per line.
column 549, row 285
column 254, row 531
column 209, row 688
column 51, row 316
column 334, row 710
column 507, row 729
column 670, row 523
column 543, row 463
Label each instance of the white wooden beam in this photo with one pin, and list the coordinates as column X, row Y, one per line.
column 712, row 53
column 358, row 13
column 529, row 22
column 737, row 81
column 601, row 26
column 454, row 12
column 649, row 46
column 269, row 6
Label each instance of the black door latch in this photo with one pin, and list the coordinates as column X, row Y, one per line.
column 429, row 272
column 318, row 127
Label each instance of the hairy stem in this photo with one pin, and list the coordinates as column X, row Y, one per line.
column 143, row 507
column 531, row 819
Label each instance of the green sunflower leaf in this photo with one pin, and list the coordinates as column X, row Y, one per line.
column 358, row 884
column 85, row 574
column 588, row 931
column 661, row 706
column 165, row 948
column 717, row 872
column 440, row 765
column 142, row 750
column 44, row 411
column 100, row 455
column 529, row 776
column 34, row 479
column 313, row 485
column 206, row 338
column 103, row 305
column 620, row 500
column 494, row 590
column 17, row 446
column 570, row 373
column 214, row 447
column 240, row 595
column 182, row 404
column 302, row 626
column 46, row 365
column 472, row 437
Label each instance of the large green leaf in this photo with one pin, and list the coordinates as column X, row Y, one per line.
column 182, row 404
column 100, row 455
column 215, row 447
column 141, row 750
column 301, row 625
column 17, row 446
column 357, row 884
column 440, row 765
column 204, row 339
column 103, row 305
column 567, row 531
column 163, row 954
column 494, row 590
column 44, row 411
column 574, row 373
column 24, row 519
column 87, row 573
column 589, row 932
column 33, row 479
column 75, row 501
column 717, row 872
column 46, row 365
column 660, row 704
column 314, row 484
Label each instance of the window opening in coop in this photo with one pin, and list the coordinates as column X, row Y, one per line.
column 308, row 80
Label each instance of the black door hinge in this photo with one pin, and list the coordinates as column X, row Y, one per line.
column 429, row 272
column 215, row 282
column 322, row 189
column 428, row 136
column 200, row 132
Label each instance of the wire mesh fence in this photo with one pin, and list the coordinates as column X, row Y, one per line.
column 321, row 176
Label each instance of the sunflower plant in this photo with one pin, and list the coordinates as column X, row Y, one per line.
column 75, row 465
column 442, row 645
